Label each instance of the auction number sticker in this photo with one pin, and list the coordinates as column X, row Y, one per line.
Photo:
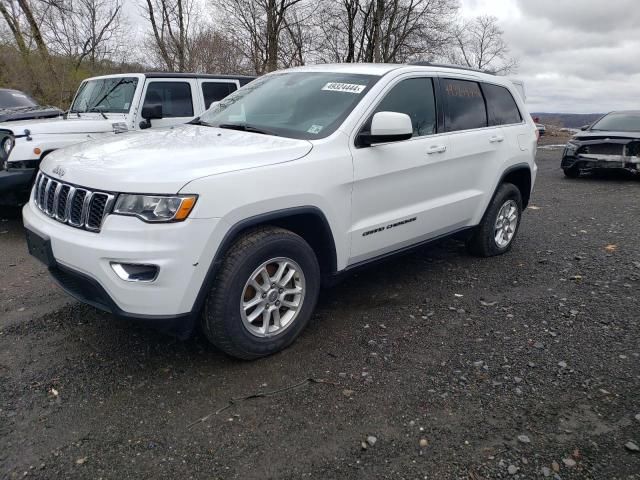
column 344, row 87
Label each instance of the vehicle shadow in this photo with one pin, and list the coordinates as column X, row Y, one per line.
column 10, row 212
column 104, row 337
column 609, row 175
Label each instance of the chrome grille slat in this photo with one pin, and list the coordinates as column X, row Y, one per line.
column 75, row 206
column 70, row 195
column 50, row 197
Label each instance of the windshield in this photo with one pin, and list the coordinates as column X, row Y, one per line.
column 619, row 122
column 15, row 99
column 304, row 105
column 107, row 95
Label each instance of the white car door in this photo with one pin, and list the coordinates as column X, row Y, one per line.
column 399, row 186
column 176, row 97
column 478, row 149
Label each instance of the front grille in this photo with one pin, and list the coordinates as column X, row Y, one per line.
column 75, row 206
column 603, row 149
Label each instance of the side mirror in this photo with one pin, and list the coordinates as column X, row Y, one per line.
column 585, row 127
column 213, row 104
column 150, row 112
column 387, row 127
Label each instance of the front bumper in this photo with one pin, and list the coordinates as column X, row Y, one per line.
column 594, row 162
column 82, row 262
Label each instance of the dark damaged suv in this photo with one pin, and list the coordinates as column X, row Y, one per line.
column 613, row 142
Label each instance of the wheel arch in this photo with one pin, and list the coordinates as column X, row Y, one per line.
column 307, row 221
column 520, row 176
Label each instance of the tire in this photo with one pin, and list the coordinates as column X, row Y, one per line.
column 483, row 242
column 226, row 319
column 571, row 172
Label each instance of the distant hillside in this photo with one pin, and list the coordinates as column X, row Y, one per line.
column 567, row 120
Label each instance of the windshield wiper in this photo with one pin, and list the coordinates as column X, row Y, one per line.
column 66, row 114
column 243, row 127
column 99, row 110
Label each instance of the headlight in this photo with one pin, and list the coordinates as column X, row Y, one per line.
column 571, row 148
column 7, row 145
column 155, row 208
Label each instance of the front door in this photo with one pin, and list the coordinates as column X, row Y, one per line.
column 175, row 96
column 399, row 187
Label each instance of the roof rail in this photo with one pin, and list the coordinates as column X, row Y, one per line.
column 446, row 65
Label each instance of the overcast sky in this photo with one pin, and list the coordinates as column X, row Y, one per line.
column 579, row 56
column 576, row 56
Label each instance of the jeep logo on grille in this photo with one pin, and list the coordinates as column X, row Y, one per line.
column 59, row 171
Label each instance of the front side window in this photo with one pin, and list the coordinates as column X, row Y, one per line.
column 465, row 108
column 107, row 95
column 501, row 107
column 175, row 98
column 414, row 97
column 304, row 105
column 216, row 91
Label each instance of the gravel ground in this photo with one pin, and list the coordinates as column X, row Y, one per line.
column 434, row 365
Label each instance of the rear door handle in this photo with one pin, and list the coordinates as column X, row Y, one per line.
column 436, row 149
column 496, row 139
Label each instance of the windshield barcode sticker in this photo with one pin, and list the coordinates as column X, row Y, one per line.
column 344, row 87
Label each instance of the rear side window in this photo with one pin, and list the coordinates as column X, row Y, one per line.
column 501, row 106
column 216, row 91
column 465, row 108
column 175, row 98
column 414, row 97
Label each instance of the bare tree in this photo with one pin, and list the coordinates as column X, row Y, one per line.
column 84, row 30
column 171, row 22
column 210, row 51
column 20, row 18
column 479, row 43
column 386, row 30
column 259, row 27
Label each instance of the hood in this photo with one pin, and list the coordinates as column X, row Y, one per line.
column 60, row 125
column 602, row 135
column 164, row 160
column 26, row 113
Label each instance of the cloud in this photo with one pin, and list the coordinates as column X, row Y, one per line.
column 574, row 56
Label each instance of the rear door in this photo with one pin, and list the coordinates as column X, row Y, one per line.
column 216, row 90
column 504, row 112
column 176, row 95
column 477, row 149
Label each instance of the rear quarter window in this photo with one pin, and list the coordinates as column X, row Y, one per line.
column 464, row 105
column 501, row 107
column 216, row 91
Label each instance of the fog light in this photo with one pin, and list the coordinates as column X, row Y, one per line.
column 135, row 272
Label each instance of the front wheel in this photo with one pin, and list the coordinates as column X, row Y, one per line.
column 264, row 294
column 497, row 231
column 571, row 172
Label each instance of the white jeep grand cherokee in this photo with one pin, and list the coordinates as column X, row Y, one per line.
column 239, row 217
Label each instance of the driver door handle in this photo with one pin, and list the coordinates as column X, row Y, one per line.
column 496, row 139
column 436, row 149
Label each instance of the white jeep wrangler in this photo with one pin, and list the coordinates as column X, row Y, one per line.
column 238, row 218
column 101, row 107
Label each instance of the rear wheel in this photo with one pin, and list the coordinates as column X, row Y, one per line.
column 264, row 294
column 499, row 227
